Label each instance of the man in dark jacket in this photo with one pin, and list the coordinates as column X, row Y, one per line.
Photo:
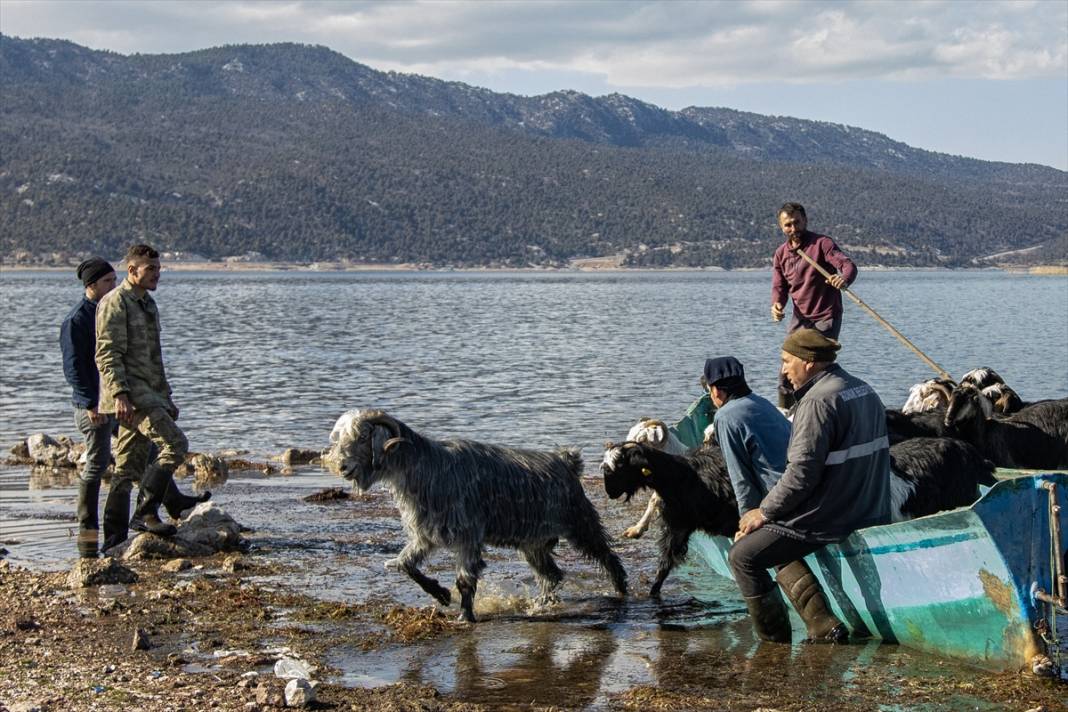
column 837, row 480
column 817, row 301
column 77, row 340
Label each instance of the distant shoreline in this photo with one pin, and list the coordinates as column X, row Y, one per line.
column 199, row 266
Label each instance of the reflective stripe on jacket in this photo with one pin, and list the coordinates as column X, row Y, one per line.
column 837, row 477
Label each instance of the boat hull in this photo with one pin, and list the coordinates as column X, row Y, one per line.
column 958, row 584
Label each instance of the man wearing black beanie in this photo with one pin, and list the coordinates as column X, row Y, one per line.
column 77, row 339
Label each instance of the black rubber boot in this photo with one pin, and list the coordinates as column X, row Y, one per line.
column 154, row 484
column 175, row 501
column 117, row 513
column 88, row 493
column 806, row 595
column 770, row 618
column 152, row 524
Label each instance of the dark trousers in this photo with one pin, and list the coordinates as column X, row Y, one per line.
column 830, row 328
column 756, row 552
column 97, row 459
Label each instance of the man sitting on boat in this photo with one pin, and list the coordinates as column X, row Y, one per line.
column 752, row 433
column 837, row 480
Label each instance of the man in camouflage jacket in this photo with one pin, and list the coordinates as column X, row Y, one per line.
column 135, row 389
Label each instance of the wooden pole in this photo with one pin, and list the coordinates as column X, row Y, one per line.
column 889, row 327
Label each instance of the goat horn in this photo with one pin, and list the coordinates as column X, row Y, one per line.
column 943, row 389
column 386, row 421
column 392, row 443
column 629, row 444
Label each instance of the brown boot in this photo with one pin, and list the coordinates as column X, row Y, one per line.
column 803, row 589
column 770, row 618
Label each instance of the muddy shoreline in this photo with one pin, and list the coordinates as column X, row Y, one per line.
column 64, row 649
column 216, row 629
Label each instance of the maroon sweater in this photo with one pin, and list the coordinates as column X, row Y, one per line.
column 791, row 276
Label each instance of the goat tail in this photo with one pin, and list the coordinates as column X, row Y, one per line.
column 587, row 534
column 572, row 461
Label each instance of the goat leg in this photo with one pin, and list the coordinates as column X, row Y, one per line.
column 408, row 561
column 471, row 565
column 674, row 543
column 642, row 525
column 540, row 558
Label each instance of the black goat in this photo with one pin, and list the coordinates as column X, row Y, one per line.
column 462, row 495
column 928, row 475
column 901, row 426
column 1034, row 438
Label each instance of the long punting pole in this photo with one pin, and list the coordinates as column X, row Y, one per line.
column 889, row 327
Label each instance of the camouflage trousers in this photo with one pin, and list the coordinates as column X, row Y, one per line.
column 133, row 446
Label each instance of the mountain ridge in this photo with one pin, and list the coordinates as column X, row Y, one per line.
column 298, row 99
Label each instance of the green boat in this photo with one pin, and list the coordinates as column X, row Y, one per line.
column 984, row 584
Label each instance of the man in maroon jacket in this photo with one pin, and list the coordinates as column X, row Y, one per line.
column 817, row 301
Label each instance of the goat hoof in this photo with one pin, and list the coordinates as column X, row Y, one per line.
column 654, row 592
column 467, row 617
column 634, row 533
column 443, row 596
column 392, row 565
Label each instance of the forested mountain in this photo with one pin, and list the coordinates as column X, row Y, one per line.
column 300, row 154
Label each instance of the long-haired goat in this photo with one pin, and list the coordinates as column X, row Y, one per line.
column 462, row 495
column 928, row 475
column 1036, row 437
column 932, row 394
column 655, row 433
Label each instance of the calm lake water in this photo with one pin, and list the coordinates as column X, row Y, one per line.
column 265, row 361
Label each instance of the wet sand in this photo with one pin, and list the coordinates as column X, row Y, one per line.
column 312, row 582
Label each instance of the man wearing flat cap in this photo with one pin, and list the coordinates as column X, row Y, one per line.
column 77, row 341
column 750, row 430
column 837, row 480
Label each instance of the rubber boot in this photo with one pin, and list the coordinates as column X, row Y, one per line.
column 88, row 493
column 806, row 595
column 175, row 501
column 154, row 484
column 117, row 512
column 88, row 523
column 770, row 618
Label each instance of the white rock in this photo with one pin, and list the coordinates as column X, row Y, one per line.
column 293, row 668
column 300, row 692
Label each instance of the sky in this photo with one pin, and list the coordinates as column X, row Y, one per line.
column 986, row 79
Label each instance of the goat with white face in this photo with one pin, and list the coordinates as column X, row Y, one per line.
column 932, row 394
column 654, row 433
column 462, row 495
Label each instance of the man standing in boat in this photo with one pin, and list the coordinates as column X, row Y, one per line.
column 817, row 301
column 135, row 389
column 837, row 480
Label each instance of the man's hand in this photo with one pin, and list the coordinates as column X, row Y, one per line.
column 750, row 522
column 125, row 411
column 95, row 416
column 837, row 281
column 777, row 312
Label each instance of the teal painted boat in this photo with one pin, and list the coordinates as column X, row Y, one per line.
column 981, row 583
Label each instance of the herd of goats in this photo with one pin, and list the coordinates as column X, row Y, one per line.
column 463, row 495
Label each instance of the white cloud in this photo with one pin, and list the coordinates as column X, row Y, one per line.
column 628, row 44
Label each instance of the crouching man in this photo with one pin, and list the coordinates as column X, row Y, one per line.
column 135, row 389
column 837, row 480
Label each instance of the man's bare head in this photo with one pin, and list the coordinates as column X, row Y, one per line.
column 143, row 267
